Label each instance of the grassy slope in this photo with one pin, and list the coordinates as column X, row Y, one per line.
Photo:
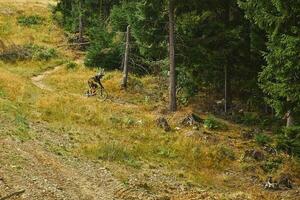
column 121, row 131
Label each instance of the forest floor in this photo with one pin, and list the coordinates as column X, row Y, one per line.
column 55, row 143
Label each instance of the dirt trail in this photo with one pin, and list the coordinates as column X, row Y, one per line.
column 38, row 80
column 32, row 166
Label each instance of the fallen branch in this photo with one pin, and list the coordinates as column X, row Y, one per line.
column 12, row 194
column 73, row 44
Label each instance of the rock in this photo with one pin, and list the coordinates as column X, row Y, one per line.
column 270, row 150
column 258, row 155
column 285, row 180
column 271, row 185
column 163, row 123
column 255, row 154
column 191, row 120
column 247, row 135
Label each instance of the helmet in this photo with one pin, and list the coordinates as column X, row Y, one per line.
column 100, row 72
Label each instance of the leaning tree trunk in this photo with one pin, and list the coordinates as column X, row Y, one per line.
column 125, row 69
column 172, row 95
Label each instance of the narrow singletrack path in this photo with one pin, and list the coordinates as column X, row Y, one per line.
column 38, row 80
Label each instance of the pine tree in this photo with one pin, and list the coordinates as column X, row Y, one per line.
column 280, row 78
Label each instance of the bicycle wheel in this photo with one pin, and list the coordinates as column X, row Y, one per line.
column 102, row 94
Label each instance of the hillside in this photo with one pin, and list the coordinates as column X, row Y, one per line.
column 56, row 143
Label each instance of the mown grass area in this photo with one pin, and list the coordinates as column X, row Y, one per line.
column 121, row 131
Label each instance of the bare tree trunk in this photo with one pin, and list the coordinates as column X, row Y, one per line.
column 289, row 119
column 225, row 88
column 172, row 97
column 227, row 83
column 125, row 70
column 80, row 28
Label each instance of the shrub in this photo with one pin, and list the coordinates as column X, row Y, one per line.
column 71, row 65
column 58, row 17
column 249, row 119
column 262, row 139
column 13, row 53
column 41, row 52
column 46, row 54
column 30, row 20
column 271, row 165
column 212, row 123
column 292, row 132
column 289, row 140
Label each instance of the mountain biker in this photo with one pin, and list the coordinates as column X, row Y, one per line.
column 94, row 83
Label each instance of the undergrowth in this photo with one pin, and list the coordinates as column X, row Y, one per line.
column 30, row 20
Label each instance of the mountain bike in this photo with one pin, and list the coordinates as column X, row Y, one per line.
column 100, row 93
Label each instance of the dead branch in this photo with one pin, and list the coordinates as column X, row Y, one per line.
column 12, row 194
column 73, row 44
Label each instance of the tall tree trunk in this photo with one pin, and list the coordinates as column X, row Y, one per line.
column 125, row 69
column 248, row 41
column 226, row 103
column 172, row 97
column 80, row 27
column 289, row 115
column 227, row 63
column 289, row 119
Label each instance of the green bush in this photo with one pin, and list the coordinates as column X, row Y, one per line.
column 289, row 140
column 292, row 132
column 71, row 65
column 271, row 165
column 262, row 139
column 58, row 17
column 250, row 119
column 41, row 52
column 212, row 123
column 30, row 20
column 46, row 54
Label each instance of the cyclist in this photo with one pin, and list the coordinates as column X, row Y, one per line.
column 94, row 83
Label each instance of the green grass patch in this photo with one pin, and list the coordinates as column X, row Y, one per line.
column 262, row 139
column 112, row 151
column 2, row 93
column 71, row 65
column 272, row 165
column 30, row 20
